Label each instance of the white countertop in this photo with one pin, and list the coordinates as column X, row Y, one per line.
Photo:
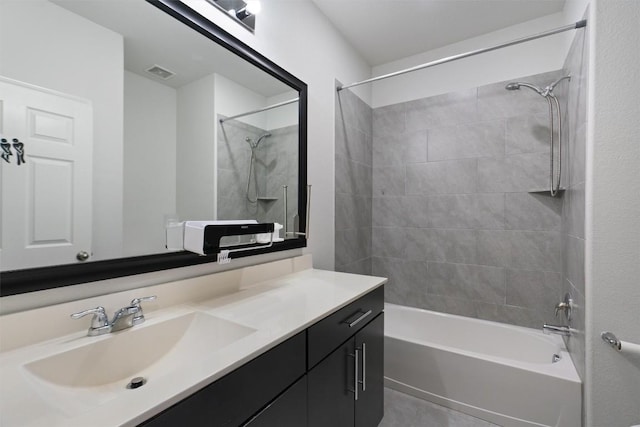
column 277, row 309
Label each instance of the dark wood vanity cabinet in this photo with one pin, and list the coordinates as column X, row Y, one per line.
column 236, row 397
column 308, row 380
column 346, row 388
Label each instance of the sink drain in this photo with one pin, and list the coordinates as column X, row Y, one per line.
column 136, row 382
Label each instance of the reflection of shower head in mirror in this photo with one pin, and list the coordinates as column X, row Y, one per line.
column 254, row 144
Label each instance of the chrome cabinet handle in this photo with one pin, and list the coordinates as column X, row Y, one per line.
column 355, row 375
column 82, row 256
column 358, row 320
column 363, row 381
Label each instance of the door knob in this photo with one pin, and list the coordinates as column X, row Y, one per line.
column 82, row 256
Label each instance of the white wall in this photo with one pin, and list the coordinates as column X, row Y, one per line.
column 296, row 36
column 40, row 44
column 287, row 115
column 149, row 163
column 195, row 156
column 613, row 213
column 233, row 98
column 542, row 55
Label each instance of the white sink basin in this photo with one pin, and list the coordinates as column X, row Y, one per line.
column 144, row 350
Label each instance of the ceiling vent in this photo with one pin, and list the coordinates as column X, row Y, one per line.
column 161, row 72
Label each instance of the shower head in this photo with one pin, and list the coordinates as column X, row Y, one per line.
column 255, row 144
column 518, row 85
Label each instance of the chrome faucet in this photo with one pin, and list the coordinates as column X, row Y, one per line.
column 130, row 315
column 123, row 318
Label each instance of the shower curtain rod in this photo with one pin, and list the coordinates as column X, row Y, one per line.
column 259, row 110
column 579, row 24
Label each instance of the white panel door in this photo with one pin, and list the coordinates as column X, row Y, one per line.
column 47, row 200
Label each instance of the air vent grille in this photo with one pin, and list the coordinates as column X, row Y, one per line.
column 161, row 72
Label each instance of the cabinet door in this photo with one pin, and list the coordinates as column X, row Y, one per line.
column 370, row 342
column 288, row 410
column 331, row 399
column 233, row 399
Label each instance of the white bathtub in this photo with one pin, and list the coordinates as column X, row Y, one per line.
column 500, row 373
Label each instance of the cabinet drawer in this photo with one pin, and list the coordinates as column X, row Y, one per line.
column 326, row 335
column 234, row 398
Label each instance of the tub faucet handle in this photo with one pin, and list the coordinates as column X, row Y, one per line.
column 565, row 305
column 561, row 306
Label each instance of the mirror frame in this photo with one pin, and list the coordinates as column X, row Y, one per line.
column 42, row 278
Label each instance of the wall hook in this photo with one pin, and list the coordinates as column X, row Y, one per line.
column 6, row 150
column 19, row 147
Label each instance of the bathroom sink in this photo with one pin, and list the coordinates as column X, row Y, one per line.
column 147, row 350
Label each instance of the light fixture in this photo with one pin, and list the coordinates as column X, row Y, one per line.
column 242, row 11
column 242, row 14
column 253, row 6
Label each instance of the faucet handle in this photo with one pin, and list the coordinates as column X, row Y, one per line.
column 139, row 316
column 99, row 322
column 561, row 306
column 137, row 301
column 565, row 305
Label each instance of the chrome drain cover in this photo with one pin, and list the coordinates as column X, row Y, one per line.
column 136, row 382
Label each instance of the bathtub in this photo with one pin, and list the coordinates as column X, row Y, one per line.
column 500, row 373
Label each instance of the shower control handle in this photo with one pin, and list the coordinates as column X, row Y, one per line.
column 565, row 305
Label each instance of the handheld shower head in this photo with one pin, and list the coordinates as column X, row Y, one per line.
column 254, row 144
column 518, row 85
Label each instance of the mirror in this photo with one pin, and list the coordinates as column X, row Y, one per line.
column 131, row 120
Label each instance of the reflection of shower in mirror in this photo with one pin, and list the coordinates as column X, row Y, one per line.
column 254, row 145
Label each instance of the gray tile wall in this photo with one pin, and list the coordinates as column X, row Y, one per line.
column 275, row 165
column 454, row 225
column 278, row 166
column 353, row 175
column 234, row 157
column 573, row 229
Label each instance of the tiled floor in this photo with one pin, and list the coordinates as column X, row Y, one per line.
column 402, row 410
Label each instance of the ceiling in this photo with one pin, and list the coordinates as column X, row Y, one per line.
column 386, row 30
column 164, row 41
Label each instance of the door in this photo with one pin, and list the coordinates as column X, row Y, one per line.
column 330, row 389
column 370, row 404
column 47, row 199
column 288, row 410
